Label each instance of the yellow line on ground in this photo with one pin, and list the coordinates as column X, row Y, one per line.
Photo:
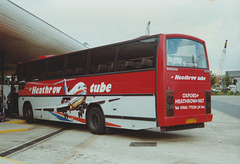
column 14, row 130
column 11, row 160
column 25, row 128
column 17, row 121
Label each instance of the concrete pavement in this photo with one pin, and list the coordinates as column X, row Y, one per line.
column 14, row 125
column 4, row 160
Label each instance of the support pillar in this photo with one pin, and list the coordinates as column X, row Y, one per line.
column 3, row 68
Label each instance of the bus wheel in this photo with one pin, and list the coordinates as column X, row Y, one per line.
column 95, row 120
column 28, row 113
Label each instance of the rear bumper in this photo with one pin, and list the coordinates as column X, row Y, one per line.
column 182, row 127
column 181, row 120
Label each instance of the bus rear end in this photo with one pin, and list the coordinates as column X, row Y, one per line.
column 183, row 83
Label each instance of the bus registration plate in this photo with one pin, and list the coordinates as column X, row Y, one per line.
column 191, row 120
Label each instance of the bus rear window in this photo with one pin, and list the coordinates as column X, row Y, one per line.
column 186, row 53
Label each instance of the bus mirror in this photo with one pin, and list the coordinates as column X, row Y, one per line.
column 22, row 82
column 35, row 79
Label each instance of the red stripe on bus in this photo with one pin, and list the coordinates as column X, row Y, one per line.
column 112, row 125
column 84, row 120
column 73, row 117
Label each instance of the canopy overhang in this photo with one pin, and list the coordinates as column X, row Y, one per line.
column 24, row 37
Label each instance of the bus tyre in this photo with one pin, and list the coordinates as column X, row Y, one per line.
column 28, row 113
column 95, row 120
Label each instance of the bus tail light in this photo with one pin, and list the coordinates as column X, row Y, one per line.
column 170, row 103
column 208, row 102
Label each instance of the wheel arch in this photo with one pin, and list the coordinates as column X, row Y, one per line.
column 91, row 105
column 94, row 111
column 25, row 104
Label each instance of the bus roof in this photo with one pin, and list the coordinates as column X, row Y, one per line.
column 123, row 42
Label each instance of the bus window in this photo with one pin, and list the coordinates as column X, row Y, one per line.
column 136, row 55
column 21, row 72
column 102, row 60
column 36, row 70
column 186, row 53
column 55, row 67
column 76, row 64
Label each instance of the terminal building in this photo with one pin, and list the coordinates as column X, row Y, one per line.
column 24, row 36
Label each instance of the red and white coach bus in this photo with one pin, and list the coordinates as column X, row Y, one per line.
column 154, row 81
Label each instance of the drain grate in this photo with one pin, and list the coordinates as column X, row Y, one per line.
column 143, row 144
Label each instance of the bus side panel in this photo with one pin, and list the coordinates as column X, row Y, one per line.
column 129, row 83
column 131, row 112
column 20, row 106
column 130, row 104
